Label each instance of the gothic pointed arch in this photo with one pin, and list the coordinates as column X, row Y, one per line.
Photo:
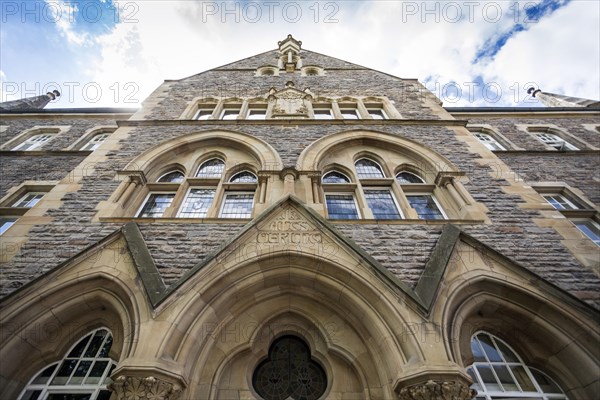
column 551, row 330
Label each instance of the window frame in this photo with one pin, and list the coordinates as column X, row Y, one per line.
column 594, row 223
column 36, row 145
column 565, row 146
column 5, row 220
column 393, row 197
column 196, row 175
column 342, row 193
column 403, row 171
column 187, row 194
column 323, row 107
column 490, row 142
column 25, row 195
column 93, row 389
column 383, row 174
column 480, row 385
column 150, row 194
column 237, row 192
column 435, row 200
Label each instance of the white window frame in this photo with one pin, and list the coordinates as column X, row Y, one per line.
column 383, row 189
column 237, row 192
column 204, row 109
column 349, row 107
column 379, row 108
column 228, row 108
column 93, row 141
column 92, row 389
column 515, row 394
column 587, row 220
column 139, row 211
column 26, row 195
column 7, row 220
column 253, row 108
column 34, row 144
column 489, row 141
column 564, row 198
column 552, row 140
column 323, row 107
column 349, row 193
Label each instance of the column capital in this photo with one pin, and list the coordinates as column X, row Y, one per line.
column 144, row 388
column 437, row 390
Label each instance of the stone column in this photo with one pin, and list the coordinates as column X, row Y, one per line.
column 437, row 390
column 144, row 388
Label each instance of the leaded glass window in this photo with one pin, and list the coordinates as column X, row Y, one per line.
column 173, row 177
column 243, row 177
column 499, row 373
column 156, row 205
column 426, row 206
column 341, row 206
column 196, row 203
column 335, row 177
column 289, row 372
column 404, row 177
column 237, row 205
column 368, row 169
column 80, row 375
column 382, row 204
column 212, row 168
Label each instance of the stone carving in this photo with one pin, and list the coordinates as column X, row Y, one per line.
column 289, row 227
column 438, row 391
column 289, row 102
column 148, row 388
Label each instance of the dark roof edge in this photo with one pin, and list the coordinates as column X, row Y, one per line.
column 98, row 110
column 519, row 109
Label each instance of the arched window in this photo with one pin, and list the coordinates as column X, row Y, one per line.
column 212, row 168
column 499, row 372
column 244, row 177
column 368, row 169
column 408, row 177
column 289, row 372
column 80, row 375
column 335, row 177
column 172, row 176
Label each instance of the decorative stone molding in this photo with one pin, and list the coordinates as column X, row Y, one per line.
column 431, row 390
column 148, row 388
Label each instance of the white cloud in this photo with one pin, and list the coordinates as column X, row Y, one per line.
column 177, row 39
column 64, row 15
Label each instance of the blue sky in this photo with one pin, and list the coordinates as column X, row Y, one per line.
column 471, row 53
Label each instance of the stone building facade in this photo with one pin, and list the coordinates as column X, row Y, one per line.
column 296, row 226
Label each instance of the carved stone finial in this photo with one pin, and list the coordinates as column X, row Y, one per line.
column 432, row 390
column 144, row 388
